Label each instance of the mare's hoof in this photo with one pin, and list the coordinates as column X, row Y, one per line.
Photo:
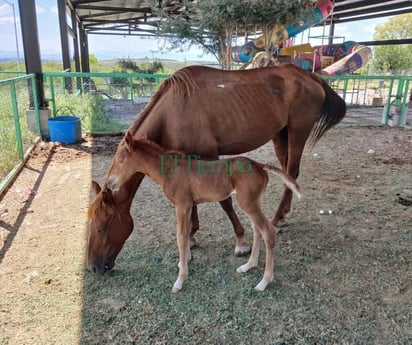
column 175, row 290
column 193, row 242
column 242, row 250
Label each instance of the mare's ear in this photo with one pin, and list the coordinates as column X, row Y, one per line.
column 96, row 187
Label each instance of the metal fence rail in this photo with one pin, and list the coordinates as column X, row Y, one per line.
column 111, row 86
column 16, row 139
column 375, row 100
column 372, row 100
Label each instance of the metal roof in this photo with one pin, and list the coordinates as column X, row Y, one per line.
column 354, row 10
column 134, row 17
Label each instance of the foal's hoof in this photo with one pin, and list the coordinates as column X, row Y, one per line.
column 243, row 269
column 175, row 290
column 262, row 286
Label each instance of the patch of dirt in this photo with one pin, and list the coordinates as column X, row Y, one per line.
column 359, row 247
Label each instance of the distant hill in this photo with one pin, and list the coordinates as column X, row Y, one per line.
column 109, row 64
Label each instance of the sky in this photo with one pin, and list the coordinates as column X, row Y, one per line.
column 109, row 47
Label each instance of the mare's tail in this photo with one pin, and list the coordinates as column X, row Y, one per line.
column 286, row 178
column 333, row 110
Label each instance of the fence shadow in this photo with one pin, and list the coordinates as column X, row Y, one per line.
column 13, row 228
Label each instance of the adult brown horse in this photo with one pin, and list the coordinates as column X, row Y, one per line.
column 210, row 112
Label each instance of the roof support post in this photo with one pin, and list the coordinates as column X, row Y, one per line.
column 64, row 39
column 76, row 47
column 31, row 48
column 331, row 33
column 84, row 50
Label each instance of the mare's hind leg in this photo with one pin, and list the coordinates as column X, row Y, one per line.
column 242, row 246
column 289, row 147
column 195, row 226
column 280, row 143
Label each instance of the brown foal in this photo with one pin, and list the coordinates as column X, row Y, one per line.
column 187, row 181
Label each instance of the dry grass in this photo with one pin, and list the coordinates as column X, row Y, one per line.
column 343, row 278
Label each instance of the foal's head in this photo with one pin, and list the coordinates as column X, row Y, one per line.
column 109, row 227
column 124, row 164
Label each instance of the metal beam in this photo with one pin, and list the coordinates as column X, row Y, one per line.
column 31, row 47
column 64, row 34
column 84, row 50
column 387, row 42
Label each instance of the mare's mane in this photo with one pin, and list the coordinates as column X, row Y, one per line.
column 181, row 83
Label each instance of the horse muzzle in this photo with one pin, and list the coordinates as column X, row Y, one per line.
column 101, row 266
column 113, row 183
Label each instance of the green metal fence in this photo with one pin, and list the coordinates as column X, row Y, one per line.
column 16, row 139
column 375, row 100
column 108, row 103
column 111, row 86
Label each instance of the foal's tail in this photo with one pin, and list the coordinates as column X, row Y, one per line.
column 333, row 110
column 286, row 178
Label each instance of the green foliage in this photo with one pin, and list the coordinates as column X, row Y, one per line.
column 93, row 61
column 210, row 23
column 9, row 66
column 128, row 65
column 52, row 66
column 92, row 111
column 395, row 57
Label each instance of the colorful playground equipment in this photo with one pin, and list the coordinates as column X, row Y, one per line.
column 334, row 59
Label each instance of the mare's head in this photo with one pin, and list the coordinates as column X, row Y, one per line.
column 110, row 224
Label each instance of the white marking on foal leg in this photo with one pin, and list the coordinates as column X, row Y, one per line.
column 268, row 234
column 183, row 243
column 254, row 256
column 177, row 286
column 262, row 285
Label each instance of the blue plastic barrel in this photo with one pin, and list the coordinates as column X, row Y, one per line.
column 65, row 129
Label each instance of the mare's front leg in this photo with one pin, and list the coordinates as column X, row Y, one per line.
column 242, row 246
column 183, row 214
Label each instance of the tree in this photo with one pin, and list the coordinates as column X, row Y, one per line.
column 395, row 57
column 211, row 24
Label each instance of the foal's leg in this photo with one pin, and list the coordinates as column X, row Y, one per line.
column 254, row 255
column 269, row 236
column 261, row 228
column 183, row 243
column 242, row 246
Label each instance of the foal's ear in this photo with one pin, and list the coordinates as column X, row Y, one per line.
column 129, row 140
column 96, row 187
column 106, row 196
